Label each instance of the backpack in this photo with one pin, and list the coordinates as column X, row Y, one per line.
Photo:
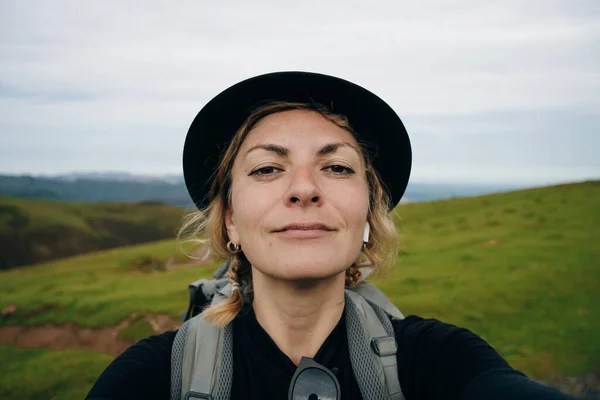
column 371, row 341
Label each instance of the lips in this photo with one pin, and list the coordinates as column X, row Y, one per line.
column 304, row 231
column 305, row 226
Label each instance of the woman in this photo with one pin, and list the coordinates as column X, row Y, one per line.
column 295, row 174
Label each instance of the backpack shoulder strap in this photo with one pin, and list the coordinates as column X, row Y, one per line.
column 177, row 351
column 372, row 343
column 202, row 355
column 377, row 298
column 202, row 358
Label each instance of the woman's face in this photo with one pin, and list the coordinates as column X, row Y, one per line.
column 299, row 197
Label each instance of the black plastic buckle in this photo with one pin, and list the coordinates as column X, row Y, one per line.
column 196, row 395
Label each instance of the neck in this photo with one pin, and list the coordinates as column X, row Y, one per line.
column 298, row 316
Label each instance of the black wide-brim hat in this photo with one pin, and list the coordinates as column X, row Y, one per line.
column 375, row 122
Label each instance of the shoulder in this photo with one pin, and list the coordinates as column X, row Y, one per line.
column 432, row 335
column 141, row 371
column 429, row 349
column 441, row 360
column 432, row 357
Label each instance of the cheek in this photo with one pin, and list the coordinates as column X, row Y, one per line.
column 249, row 208
column 354, row 202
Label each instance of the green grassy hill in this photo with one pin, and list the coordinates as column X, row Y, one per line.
column 521, row 269
column 32, row 231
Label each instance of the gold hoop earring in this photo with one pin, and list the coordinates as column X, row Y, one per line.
column 233, row 248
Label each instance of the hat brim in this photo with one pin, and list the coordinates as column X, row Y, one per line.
column 374, row 121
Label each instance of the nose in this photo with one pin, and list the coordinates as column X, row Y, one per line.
column 303, row 189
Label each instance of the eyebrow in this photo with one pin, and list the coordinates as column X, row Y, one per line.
column 280, row 150
column 329, row 148
column 332, row 148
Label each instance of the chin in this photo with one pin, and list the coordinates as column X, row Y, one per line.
column 310, row 271
column 307, row 275
column 302, row 265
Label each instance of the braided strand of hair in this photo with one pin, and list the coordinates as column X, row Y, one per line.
column 223, row 313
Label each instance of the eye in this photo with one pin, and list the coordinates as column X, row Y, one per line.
column 264, row 171
column 340, row 170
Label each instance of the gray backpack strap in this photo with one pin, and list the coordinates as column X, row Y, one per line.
column 177, row 361
column 208, row 361
column 202, row 357
column 378, row 298
column 372, row 345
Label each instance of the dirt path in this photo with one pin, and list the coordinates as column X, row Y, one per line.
column 71, row 336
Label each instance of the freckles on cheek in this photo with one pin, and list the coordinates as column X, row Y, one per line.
column 357, row 200
column 249, row 208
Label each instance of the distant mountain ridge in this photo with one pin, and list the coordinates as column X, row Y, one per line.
column 115, row 177
column 89, row 188
column 170, row 189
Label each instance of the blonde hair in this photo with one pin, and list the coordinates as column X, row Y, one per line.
column 379, row 253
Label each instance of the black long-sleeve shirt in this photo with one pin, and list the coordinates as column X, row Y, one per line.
column 435, row 361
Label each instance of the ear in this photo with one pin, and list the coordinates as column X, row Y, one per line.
column 230, row 226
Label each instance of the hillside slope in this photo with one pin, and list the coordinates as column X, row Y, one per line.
column 32, row 231
column 521, row 269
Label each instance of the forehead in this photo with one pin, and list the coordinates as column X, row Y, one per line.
column 293, row 128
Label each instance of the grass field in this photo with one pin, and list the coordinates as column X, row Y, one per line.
column 37, row 230
column 48, row 374
column 521, row 269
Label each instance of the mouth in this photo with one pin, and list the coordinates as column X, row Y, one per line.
column 305, row 226
column 305, row 230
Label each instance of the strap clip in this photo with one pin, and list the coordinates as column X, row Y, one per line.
column 384, row 346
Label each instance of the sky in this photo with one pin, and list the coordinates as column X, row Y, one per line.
column 490, row 91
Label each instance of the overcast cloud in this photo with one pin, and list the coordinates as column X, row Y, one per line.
column 490, row 91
